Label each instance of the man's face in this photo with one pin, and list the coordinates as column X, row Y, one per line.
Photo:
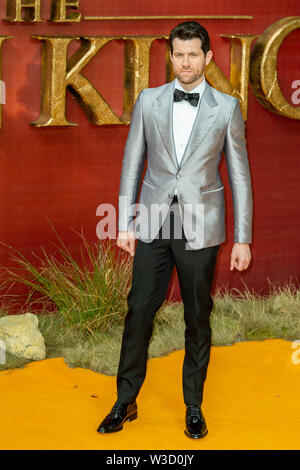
column 189, row 62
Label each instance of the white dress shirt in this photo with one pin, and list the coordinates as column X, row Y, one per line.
column 184, row 115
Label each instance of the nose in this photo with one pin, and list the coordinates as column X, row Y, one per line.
column 186, row 61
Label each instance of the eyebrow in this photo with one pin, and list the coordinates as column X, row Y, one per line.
column 192, row 52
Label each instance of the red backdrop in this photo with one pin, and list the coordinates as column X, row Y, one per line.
column 65, row 173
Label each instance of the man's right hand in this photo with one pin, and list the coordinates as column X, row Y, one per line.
column 126, row 241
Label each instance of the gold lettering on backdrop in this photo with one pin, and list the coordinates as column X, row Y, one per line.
column 65, row 11
column 2, row 39
column 137, row 60
column 263, row 73
column 238, row 84
column 169, row 66
column 23, row 10
column 59, row 72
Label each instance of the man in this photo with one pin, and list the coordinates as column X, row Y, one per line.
column 181, row 128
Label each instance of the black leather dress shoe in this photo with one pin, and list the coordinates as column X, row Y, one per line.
column 119, row 413
column 195, row 422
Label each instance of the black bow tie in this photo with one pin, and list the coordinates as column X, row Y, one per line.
column 192, row 98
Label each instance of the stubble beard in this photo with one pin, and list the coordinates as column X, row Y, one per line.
column 189, row 80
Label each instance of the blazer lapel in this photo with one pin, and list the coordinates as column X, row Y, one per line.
column 207, row 113
column 163, row 109
column 205, row 119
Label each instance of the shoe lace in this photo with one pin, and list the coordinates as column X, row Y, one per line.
column 194, row 411
column 117, row 408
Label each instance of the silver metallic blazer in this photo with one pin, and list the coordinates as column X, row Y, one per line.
column 218, row 126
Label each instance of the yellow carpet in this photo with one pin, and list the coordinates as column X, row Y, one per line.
column 251, row 401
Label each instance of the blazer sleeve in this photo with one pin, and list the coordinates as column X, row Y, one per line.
column 132, row 166
column 239, row 175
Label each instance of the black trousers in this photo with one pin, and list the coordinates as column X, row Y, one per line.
column 153, row 264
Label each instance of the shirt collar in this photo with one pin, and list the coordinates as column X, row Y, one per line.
column 199, row 89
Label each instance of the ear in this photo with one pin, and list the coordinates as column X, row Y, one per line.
column 208, row 57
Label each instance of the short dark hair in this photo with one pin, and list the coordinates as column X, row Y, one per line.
column 190, row 30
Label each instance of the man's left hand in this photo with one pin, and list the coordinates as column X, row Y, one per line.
column 240, row 256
